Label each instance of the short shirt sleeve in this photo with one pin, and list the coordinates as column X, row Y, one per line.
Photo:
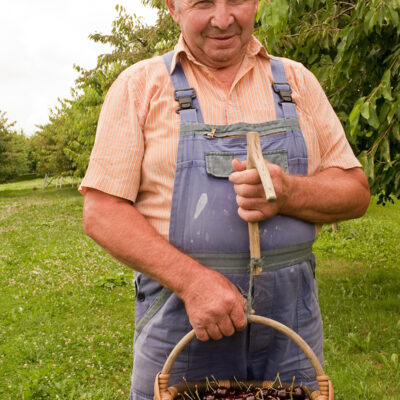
column 116, row 157
column 329, row 146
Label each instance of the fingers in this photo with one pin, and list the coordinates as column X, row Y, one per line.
column 217, row 327
column 251, row 215
column 246, row 176
column 246, row 190
column 211, row 316
column 250, row 195
column 202, row 334
column 238, row 165
column 227, row 326
column 239, row 319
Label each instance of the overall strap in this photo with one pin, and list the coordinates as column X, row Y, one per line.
column 285, row 107
column 189, row 107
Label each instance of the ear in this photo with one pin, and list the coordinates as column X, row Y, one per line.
column 255, row 6
column 173, row 11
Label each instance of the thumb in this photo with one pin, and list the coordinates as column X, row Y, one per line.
column 238, row 165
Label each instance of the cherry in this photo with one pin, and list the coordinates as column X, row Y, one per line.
column 277, row 392
column 283, row 394
column 298, row 393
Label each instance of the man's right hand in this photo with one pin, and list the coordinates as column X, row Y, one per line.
column 214, row 306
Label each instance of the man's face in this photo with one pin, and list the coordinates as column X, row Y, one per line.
column 216, row 31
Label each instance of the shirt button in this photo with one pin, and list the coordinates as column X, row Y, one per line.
column 141, row 296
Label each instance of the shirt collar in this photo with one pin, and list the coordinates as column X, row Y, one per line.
column 254, row 48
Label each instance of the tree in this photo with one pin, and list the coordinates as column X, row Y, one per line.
column 47, row 145
column 353, row 48
column 63, row 145
column 13, row 151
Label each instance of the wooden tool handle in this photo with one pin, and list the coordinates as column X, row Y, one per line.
column 255, row 159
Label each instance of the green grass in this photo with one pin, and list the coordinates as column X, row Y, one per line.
column 66, row 308
column 359, row 292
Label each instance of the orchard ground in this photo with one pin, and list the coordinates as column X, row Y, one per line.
column 67, row 308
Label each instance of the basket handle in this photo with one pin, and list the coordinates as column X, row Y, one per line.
column 325, row 385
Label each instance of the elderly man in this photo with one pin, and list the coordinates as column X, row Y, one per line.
column 168, row 194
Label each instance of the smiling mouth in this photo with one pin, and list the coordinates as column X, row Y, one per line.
column 223, row 40
column 227, row 37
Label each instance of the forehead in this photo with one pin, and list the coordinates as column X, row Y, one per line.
column 189, row 2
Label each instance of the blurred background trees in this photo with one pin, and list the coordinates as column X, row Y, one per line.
column 13, row 150
column 353, row 48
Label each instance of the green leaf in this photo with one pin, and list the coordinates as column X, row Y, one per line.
column 355, row 113
column 386, row 86
column 373, row 119
column 385, row 150
column 364, row 110
column 396, row 132
column 369, row 134
column 367, row 162
column 371, row 167
column 393, row 15
column 354, row 117
column 367, row 20
column 384, row 111
column 392, row 112
column 374, row 19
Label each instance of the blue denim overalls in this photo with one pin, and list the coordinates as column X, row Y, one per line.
column 205, row 224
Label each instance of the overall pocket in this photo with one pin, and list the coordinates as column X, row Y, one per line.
column 150, row 297
column 219, row 164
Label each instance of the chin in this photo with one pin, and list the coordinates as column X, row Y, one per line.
column 223, row 57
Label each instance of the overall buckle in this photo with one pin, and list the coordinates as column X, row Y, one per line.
column 284, row 91
column 185, row 98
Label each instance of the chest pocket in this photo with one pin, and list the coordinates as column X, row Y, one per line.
column 219, row 164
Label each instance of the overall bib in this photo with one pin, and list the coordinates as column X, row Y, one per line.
column 205, row 224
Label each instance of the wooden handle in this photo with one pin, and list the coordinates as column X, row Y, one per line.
column 326, row 388
column 255, row 159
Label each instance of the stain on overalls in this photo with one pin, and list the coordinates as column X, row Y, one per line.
column 205, row 224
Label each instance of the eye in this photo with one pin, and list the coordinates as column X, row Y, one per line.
column 203, row 3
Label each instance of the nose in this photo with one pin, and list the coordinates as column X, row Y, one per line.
column 222, row 16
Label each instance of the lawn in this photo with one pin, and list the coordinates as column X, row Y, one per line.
column 66, row 308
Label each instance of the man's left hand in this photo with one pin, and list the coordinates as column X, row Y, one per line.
column 250, row 195
column 331, row 195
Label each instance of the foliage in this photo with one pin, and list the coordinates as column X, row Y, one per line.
column 132, row 41
column 353, row 47
column 63, row 145
column 66, row 307
column 13, row 150
column 47, row 145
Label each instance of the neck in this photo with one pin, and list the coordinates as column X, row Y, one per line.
column 226, row 75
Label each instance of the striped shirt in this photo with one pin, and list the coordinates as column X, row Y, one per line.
column 135, row 149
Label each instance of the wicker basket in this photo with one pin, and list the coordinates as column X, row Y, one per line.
column 163, row 392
